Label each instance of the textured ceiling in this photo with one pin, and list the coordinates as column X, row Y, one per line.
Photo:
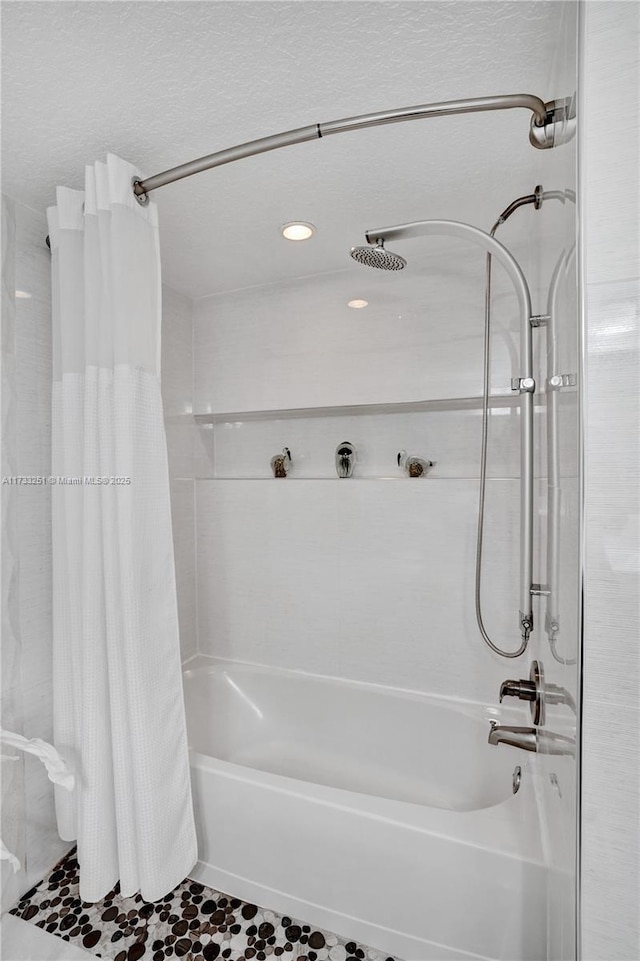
column 160, row 83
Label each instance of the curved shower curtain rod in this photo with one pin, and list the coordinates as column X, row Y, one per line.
column 550, row 126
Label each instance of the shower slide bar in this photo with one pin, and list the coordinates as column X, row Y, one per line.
column 555, row 382
column 552, row 124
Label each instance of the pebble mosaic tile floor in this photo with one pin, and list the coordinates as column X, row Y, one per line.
column 194, row 922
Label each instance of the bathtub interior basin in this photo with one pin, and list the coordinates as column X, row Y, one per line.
column 358, row 737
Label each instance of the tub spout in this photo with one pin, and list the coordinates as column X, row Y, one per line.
column 532, row 739
column 523, row 737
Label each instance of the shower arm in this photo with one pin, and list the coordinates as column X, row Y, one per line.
column 525, row 380
column 551, row 125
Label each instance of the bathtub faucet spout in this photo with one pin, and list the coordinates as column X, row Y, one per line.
column 532, row 739
column 523, row 737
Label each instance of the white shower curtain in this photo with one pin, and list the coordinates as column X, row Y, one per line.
column 118, row 702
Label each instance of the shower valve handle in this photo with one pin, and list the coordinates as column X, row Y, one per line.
column 523, row 690
column 531, row 690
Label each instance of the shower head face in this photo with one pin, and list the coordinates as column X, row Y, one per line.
column 378, row 257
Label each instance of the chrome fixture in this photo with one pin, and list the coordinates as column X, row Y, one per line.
column 531, row 690
column 281, row 463
column 552, row 124
column 532, row 739
column 345, row 459
column 516, row 779
column 560, row 125
column 523, row 737
column 521, row 384
column 414, row 466
column 493, row 248
column 556, row 382
column 378, row 257
column 537, row 692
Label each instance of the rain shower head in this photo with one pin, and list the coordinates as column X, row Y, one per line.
column 378, row 257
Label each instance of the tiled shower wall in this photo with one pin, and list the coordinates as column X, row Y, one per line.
column 370, row 578
column 28, row 819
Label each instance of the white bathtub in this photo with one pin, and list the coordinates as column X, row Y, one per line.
column 382, row 815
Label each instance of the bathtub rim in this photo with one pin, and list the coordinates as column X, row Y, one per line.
column 213, row 664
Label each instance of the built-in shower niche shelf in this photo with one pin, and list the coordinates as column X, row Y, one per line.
column 324, row 478
column 414, row 406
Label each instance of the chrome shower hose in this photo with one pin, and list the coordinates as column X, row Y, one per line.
column 483, row 467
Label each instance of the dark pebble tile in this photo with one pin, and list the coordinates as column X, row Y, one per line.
column 177, row 926
column 91, row 939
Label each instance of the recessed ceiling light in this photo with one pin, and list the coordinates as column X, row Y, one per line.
column 297, row 230
column 357, row 304
column 23, row 295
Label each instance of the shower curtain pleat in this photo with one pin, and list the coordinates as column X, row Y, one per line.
column 118, row 701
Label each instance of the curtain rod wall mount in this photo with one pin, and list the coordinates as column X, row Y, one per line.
column 552, row 124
